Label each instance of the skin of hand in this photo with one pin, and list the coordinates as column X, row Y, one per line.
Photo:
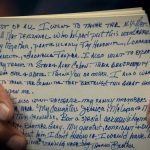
column 148, row 114
column 10, row 137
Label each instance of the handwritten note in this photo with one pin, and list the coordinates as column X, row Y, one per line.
column 78, row 83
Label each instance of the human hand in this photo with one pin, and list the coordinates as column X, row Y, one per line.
column 10, row 137
column 148, row 114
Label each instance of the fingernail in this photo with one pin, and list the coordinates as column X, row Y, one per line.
column 148, row 114
column 148, row 108
column 4, row 111
column 16, row 143
column 148, row 119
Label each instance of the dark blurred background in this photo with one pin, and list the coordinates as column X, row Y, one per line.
column 39, row 7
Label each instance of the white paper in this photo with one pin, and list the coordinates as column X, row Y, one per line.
column 78, row 83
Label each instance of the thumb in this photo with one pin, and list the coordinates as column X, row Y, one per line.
column 6, row 106
column 148, row 114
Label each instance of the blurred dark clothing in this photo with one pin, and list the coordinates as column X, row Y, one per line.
column 67, row 6
column 39, row 7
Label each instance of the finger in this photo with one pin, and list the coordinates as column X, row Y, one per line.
column 6, row 106
column 148, row 114
column 13, row 138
